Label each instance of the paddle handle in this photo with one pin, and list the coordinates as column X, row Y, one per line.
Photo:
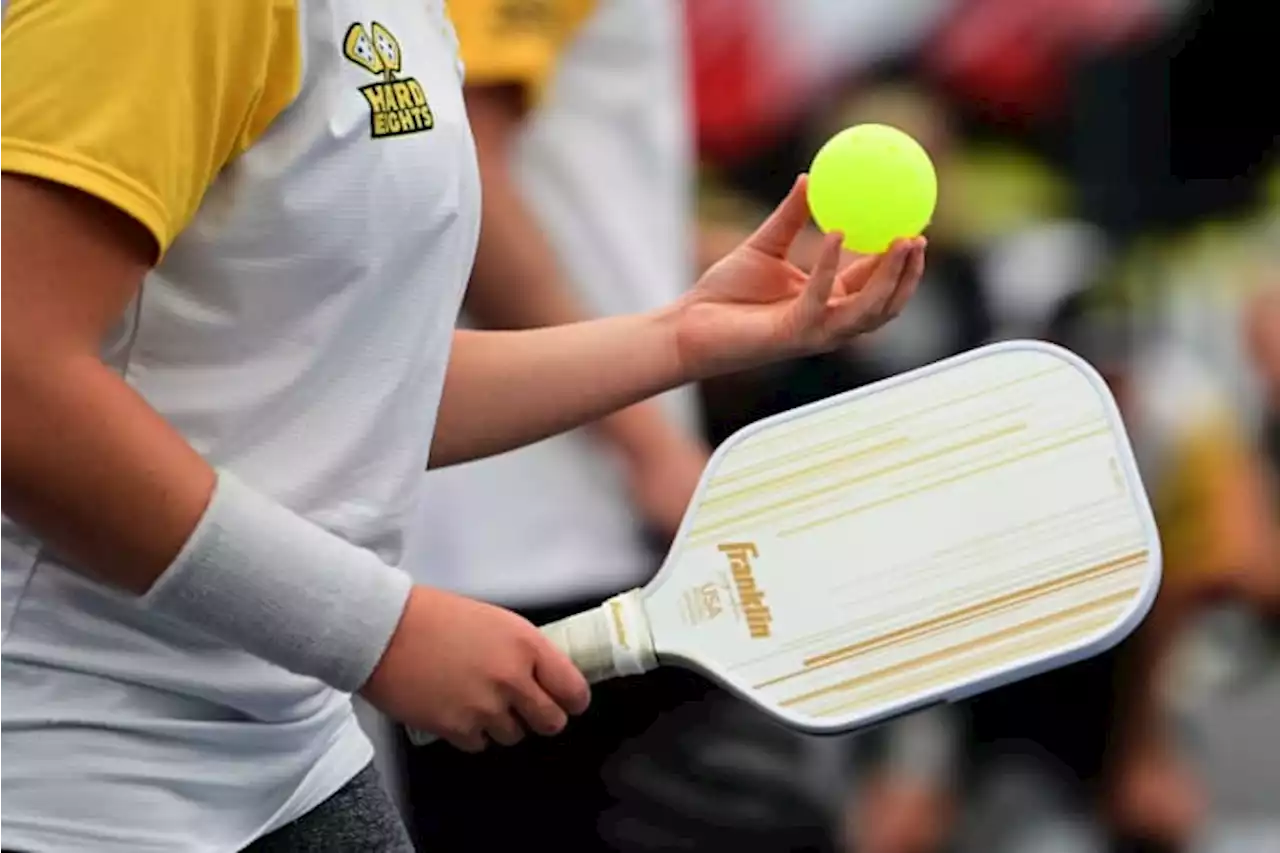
column 608, row 641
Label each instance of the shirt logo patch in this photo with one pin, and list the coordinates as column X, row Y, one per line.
column 396, row 106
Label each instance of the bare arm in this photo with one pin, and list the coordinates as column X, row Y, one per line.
column 508, row 389
column 84, row 456
column 516, row 282
column 106, row 482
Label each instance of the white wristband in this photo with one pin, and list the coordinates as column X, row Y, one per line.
column 261, row 577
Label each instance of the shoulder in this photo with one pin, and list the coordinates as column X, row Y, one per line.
column 142, row 103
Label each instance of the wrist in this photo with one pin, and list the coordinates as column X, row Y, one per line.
column 258, row 576
column 640, row 430
column 665, row 331
column 691, row 330
column 420, row 602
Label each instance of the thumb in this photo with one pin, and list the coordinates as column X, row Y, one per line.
column 809, row 309
column 562, row 681
column 776, row 234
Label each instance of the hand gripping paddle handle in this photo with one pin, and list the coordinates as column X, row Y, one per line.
column 605, row 642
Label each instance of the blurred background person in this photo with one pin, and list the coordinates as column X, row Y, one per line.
column 583, row 127
column 1262, row 335
column 1099, row 181
column 1104, row 737
column 582, row 121
column 1083, row 155
column 1106, row 722
column 579, row 116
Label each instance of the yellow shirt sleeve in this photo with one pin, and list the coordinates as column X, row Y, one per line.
column 142, row 103
column 1197, row 516
column 515, row 43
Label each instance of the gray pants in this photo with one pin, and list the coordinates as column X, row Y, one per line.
column 361, row 816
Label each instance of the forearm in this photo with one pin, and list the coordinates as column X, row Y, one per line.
column 115, row 491
column 105, row 483
column 93, row 470
column 517, row 284
column 504, row 390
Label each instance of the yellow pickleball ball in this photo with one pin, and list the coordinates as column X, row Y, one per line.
column 875, row 184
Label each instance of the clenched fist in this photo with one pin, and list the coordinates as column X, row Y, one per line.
column 470, row 672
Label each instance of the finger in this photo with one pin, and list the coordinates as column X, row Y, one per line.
column 855, row 274
column 539, row 712
column 879, row 288
column 503, row 728
column 887, row 276
column 471, row 740
column 910, row 280
column 813, row 301
column 561, row 680
column 776, row 234
column 864, row 310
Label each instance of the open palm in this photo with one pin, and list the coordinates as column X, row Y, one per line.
column 754, row 306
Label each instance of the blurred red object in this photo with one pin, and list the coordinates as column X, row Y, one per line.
column 746, row 82
column 1011, row 58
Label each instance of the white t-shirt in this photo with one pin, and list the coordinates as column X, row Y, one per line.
column 605, row 163
column 311, row 174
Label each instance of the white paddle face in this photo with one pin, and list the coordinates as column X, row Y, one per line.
column 917, row 541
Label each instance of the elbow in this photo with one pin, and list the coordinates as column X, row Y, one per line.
column 443, row 452
column 18, row 385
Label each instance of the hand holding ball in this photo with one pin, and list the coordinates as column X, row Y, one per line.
column 873, row 183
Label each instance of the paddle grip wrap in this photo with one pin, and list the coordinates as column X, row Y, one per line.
column 609, row 641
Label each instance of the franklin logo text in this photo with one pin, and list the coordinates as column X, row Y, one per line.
column 750, row 597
